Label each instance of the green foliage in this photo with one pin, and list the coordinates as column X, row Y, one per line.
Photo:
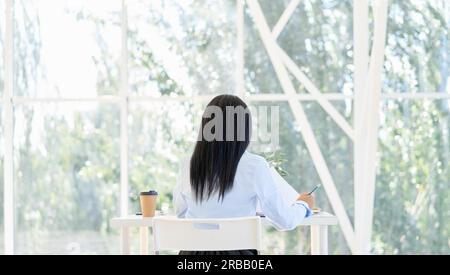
column 277, row 161
column 412, row 206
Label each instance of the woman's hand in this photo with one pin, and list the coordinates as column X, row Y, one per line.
column 309, row 199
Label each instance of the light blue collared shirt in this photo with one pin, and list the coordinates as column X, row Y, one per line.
column 253, row 183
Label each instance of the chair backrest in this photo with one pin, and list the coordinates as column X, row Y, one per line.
column 206, row 234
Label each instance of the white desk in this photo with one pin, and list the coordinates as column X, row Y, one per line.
column 318, row 222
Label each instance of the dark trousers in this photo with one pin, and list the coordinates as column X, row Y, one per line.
column 223, row 253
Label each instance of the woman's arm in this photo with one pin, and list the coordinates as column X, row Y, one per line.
column 283, row 214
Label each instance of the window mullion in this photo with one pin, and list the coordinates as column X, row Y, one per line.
column 124, row 114
column 8, row 130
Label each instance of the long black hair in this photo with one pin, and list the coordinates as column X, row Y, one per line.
column 215, row 159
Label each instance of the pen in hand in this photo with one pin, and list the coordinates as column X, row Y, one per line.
column 315, row 189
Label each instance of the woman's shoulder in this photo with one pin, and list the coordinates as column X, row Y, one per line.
column 254, row 168
column 254, row 159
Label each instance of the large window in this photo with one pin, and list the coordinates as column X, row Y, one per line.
column 66, row 178
column 103, row 88
column 181, row 47
column 66, row 49
column 66, row 137
column 411, row 204
column 318, row 37
column 418, row 47
column 412, row 213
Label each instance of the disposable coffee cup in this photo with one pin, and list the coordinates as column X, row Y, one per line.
column 148, row 203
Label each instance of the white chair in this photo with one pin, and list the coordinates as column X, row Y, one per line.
column 206, row 234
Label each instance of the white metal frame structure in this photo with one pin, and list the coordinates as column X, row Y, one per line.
column 367, row 96
column 8, row 131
